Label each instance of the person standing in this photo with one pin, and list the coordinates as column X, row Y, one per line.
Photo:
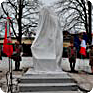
column 0, row 52
column 0, row 55
column 17, row 55
column 72, row 54
column 87, row 50
column 91, row 58
column 83, row 54
column 82, row 47
column 77, row 44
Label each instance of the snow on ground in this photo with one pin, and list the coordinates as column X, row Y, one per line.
column 81, row 64
column 27, row 62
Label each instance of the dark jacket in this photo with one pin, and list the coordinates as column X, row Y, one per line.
column 72, row 54
column 17, row 53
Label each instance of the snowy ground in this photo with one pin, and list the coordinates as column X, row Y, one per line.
column 81, row 64
column 83, row 80
column 27, row 62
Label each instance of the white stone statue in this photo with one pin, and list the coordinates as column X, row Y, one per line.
column 48, row 44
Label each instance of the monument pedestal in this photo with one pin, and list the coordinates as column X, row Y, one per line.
column 32, row 71
column 47, row 82
column 45, row 65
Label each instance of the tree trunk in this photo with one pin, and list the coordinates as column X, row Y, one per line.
column 90, row 22
column 20, row 21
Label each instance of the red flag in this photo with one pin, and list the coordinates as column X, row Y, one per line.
column 7, row 45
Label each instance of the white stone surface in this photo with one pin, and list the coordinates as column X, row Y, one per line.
column 48, row 44
column 33, row 72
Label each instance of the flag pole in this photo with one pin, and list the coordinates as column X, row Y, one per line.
column 8, row 50
column 10, row 74
column 10, row 63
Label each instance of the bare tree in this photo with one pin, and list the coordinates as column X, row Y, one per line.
column 24, row 15
column 73, row 15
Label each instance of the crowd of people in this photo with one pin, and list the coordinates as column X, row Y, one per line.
column 19, row 50
column 80, row 46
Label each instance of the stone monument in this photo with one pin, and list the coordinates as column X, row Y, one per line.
column 48, row 44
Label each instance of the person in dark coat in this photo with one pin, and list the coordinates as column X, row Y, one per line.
column 87, row 50
column 91, row 58
column 17, row 55
column 77, row 44
column 72, row 56
column 0, row 52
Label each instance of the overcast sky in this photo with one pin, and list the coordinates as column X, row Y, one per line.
column 48, row 2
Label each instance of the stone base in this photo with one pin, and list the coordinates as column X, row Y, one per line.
column 45, row 65
column 31, row 71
